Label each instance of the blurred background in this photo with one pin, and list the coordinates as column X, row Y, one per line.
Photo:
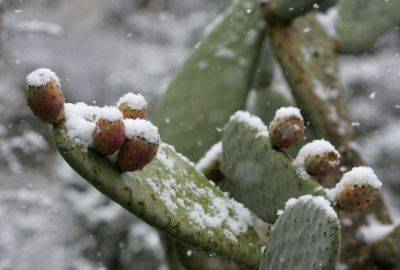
column 49, row 217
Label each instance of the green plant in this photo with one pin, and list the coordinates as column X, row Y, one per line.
column 198, row 110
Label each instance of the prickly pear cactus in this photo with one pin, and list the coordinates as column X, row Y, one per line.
column 213, row 82
column 170, row 193
column 172, row 196
column 305, row 236
column 258, row 175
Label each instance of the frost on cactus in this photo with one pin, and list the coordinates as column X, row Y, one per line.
column 171, row 195
column 209, row 163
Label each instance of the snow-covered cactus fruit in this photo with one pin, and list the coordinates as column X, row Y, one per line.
column 133, row 106
column 109, row 133
column 356, row 190
column 140, row 147
column 287, row 127
column 44, row 96
column 318, row 158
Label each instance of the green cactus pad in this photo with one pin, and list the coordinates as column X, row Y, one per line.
column 213, row 82
column 306, row 236
column 264, row 72
column 259, row 176
column 361, row 22
column 171, row 195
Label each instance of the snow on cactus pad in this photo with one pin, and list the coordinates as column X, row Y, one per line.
column 171, row 195
column 306, row 236
column 258, row 175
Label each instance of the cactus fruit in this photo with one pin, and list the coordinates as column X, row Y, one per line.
column 356, row 190
column 356, row 198
column 44, row 95
column 287, row 127
column 318, row 158
column 109, row 133
column 133, row 106
column 141, row 145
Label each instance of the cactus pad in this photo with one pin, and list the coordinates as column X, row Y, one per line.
column 306, row 236
column 171, row 195
column 213, row 82
column 308, row 61
column 258, row 175
column 361, row 22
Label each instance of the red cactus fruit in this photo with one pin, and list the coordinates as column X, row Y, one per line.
column 135, row 154
column 44, row 96
column 141, row 145
column 108, row 136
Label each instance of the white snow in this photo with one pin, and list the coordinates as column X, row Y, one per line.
column 165, row 145
column 133, row 101
column 212, row 156
column 141, row 128
column 320, row 201
column 316, row 147
column 109, row 113
column 41, row 77
column 225, row 53
column 372, row 95
column 287, row 112
column 80, row 120
column 165, row 160
column 375, row 230
column 357, row 176
column 328, row 20
column 253, row 121
column 206, row 207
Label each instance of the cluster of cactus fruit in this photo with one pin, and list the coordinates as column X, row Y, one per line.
column 120, row 130
column 356, row 190
column 248, row 174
